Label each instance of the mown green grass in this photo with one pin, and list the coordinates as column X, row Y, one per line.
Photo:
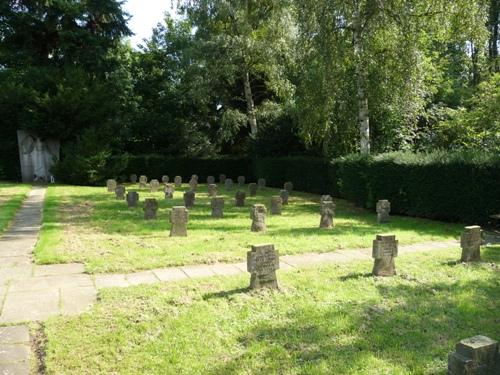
column 11, row 197
column 88, row 225
column 334, row 319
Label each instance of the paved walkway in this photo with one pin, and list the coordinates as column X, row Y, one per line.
column 30, row 292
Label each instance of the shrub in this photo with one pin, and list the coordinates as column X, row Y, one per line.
column 88, row 161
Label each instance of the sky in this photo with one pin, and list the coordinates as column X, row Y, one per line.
column 145, row 15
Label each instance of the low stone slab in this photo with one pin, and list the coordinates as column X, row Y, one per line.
column 154, row 185
column 475, row 356
column 385, row 249
column 120, row 192
column 239, row 199
column 150, row 208
column 178, row 181
column 217, row 205
column 132, row 199
column 258, row 216
column 284, row 194
column 189, row 198
column 470, row 241
column 178, row 219
column 252, row 188
column 383, row 210
column 262, row 263
column 111, row 185
column 276, row 205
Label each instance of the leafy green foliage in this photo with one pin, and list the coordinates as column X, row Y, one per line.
column 88, row 160
column 477, row 127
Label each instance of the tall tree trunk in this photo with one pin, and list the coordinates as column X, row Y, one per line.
column 363, row 112
column 252, row 120
column 493, row 26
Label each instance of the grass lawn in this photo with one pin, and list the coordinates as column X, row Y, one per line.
column 11, row 198
column 88, row 225
column 324, row 320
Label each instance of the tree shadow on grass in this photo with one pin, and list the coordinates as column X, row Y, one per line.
column 410, row 328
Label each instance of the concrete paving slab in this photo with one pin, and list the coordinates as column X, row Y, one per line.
column 75, row 301
column 14, row 335
column 222, row 269
column 11, row 353
column 109, row 281
column 170, row 274
column 30, row 306
column 198, row 271
column 58, row 269
column 20, row 368
column 146, row 277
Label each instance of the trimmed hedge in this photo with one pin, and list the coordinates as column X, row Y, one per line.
column 447, row 186
column 312, row 175
column 155, row 166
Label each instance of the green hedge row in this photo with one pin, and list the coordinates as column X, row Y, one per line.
column 308, row 174
column 155, row 166
column 447, row 186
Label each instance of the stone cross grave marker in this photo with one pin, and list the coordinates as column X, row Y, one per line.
column 120, row 192
column 276, row 205
column 222, row 179
column 169, row 191
column 143, row 180
column 470, row 241
column 228, row 184
column 476, row 355
column 262, row 263
column 252, row 187
column 327, row 211
column 258, row 216
column 383, row 209
column 284, row 196
column 262, row 183
column 179, row 216
column 178, row 181
column 111, row 185
column 189, row 197
column 217, row 204
column 154, row 185
column 212, row 190
column 325, row 198
column 385, row 249
column 193, row 183
column 132, row 198
column 150, row 208
column 288, row 186
column 241, row 180
column 133, row 178
column 210, row 180
column 240, row 199
column 165, row 179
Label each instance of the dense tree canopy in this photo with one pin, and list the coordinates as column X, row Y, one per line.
column 265, row 77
